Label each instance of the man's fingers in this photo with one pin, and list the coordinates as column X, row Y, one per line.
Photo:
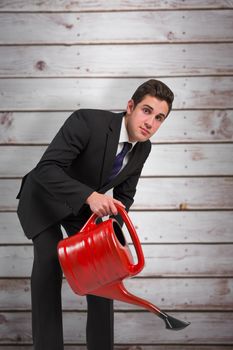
column 118, row 202
column 108, row 208
column 103, row 205
column 113, row 209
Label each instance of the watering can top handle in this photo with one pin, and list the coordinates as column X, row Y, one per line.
column 135, row 269
column 91, row 222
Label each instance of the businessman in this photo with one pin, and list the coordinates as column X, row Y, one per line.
column 93, row 152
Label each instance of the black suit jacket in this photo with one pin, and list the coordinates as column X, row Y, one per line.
column 77, row 162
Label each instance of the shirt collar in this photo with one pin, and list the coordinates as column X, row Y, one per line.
column 124, row 137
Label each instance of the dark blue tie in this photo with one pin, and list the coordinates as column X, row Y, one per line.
column 118, row 162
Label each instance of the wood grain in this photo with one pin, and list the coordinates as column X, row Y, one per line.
column 77, row 28
column 205, row 193
column 166, row 260
column 37, row 94
column 130, row 328
column 189, row 294
column 152, row 227
column 111, row 5
column 132, row 347
column 116, row 60
column 190, row 160
column 181, row 126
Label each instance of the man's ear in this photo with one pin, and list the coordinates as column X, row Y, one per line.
column 130, row 106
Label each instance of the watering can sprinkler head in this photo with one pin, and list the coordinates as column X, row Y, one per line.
column 172, row 322
column 97, row 259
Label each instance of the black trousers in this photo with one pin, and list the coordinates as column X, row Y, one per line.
column 46, row 283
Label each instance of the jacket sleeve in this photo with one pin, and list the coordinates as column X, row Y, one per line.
column 66, row 146
column 125, row 191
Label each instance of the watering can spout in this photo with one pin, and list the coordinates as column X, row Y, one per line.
column 117, row 291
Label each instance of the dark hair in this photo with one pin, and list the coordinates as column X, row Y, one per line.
column 154, row 88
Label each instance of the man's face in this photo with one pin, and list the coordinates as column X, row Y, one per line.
column 145, row 119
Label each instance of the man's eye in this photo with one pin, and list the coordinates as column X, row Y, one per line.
column 159, row 118
column 146, row 110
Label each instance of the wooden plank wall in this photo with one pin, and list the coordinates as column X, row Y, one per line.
column 57, row 56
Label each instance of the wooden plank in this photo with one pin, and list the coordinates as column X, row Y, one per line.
column 10, row 230
column 77, row 28
column 189, row 294
column 181, row 126
column 184, row 193
column 152, row 227
column 116, row 60
column 188, row 260
column 26, row 160
column 161, row 260
column 183, row 226
column 130, row 328
column 205, row 328
column 196, row 126
column 131, row 347
column 40, row 94
column 110, row 5
column 157, row 194
column 190, row 160
column 31, row 127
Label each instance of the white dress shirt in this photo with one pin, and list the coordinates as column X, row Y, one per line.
column 124, row 137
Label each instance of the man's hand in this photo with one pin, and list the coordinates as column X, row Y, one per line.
column 103, row 205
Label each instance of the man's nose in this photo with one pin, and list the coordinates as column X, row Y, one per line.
column 149, row 123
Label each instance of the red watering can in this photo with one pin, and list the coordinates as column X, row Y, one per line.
column 98, row 258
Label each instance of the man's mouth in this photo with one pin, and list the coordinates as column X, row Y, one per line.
column 145, row 131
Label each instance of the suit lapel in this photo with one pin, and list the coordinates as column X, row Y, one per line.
column 112, row 140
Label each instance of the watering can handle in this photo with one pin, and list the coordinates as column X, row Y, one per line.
column 135, row 269
column 91, row 223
